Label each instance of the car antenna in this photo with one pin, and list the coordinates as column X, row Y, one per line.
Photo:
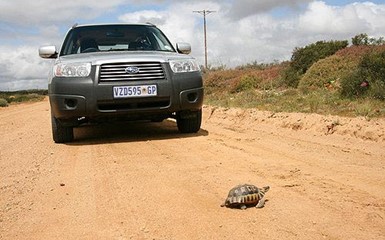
column 75, row 25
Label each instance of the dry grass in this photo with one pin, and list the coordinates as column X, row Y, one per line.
column 318, row 91
column 7, row 98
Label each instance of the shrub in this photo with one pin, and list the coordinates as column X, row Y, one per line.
column 247, row 82
column 368, row 79
column 377, row 90
column 327, row 73
column 350, row 85
column 219, row 80
column 363, row 39
column 291, row 77
column 360, row 39
column 3, row 102
column 303, row 58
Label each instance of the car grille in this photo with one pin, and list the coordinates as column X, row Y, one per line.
column 129, row 104
column 117, row 72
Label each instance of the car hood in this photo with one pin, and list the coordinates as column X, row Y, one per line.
column 98, row 58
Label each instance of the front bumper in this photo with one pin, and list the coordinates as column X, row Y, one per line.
column 75, row 98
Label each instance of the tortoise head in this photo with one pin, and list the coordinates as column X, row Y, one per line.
column 226, row 203
column 265, row 189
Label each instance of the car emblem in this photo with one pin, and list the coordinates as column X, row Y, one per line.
column 131, row 69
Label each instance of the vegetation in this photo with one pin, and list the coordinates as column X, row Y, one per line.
column 368, row 79
column 7, row 98
column 364, row 40
column 3, row 102
column 325, row 78
column 328, row 72
column 303, row 58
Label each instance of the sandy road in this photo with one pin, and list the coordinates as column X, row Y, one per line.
column 147, row 181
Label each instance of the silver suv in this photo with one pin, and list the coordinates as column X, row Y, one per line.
column 122, row 72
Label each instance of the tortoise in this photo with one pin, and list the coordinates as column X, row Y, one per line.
column 246, row 195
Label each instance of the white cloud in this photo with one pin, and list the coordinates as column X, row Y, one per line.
column 21, row 68
column 44, row 12
column 146, row 16
column 178, row 22
column 332, row 22
column 327, row 20
column 245, row 8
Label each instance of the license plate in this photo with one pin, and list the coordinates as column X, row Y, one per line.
column 135, row 91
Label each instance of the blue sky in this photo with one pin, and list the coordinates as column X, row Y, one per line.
column 239, row 32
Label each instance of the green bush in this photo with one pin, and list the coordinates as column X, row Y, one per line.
column 247, row 82
column 215, row 81
column 369, row 78
column 350, row 85
column 327, row 73
column 290, row 77
column 377, row 90
column 363, row 39
column 3, row 102
column 303, row 58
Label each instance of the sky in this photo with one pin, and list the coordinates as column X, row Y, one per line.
column 238, row 32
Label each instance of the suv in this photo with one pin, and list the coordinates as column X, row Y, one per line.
column 114, row 72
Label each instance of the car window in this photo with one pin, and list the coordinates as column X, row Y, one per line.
column 104, row 38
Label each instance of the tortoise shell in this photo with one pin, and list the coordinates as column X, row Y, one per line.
column 246, row 195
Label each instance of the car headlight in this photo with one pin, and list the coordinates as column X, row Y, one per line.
column 72, row 69
column 182, row 66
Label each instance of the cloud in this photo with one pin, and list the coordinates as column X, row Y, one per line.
column 20, row 65
column 323, row 19
column 230, row 42
column 178, row 21
column 245, row 8
column 21, row 68
column 146, row 16
column 29, row 13
column 326, row 21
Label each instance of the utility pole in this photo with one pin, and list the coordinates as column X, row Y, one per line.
column 204, row 13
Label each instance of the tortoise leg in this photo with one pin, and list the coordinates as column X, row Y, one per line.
column 243, row 207
column 261, row 203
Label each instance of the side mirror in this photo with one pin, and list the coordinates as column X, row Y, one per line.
column 184, row 48
column 48, row 52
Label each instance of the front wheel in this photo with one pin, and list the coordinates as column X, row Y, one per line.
column 189, row 123
column 61, row 134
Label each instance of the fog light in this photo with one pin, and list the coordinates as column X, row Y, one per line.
column 192, row 97
column 70, row 103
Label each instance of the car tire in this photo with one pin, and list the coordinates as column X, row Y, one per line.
column 61, row 134
column 190, row 124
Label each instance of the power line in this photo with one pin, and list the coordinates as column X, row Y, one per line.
column 204, row 13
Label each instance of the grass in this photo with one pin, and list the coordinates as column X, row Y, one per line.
column 253, row 88
column 13, row 97
column 295, row 101
column 263, row 87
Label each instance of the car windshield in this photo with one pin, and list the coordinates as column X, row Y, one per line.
column 115, row 38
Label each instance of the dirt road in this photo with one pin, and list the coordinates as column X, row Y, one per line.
column 146, row 181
